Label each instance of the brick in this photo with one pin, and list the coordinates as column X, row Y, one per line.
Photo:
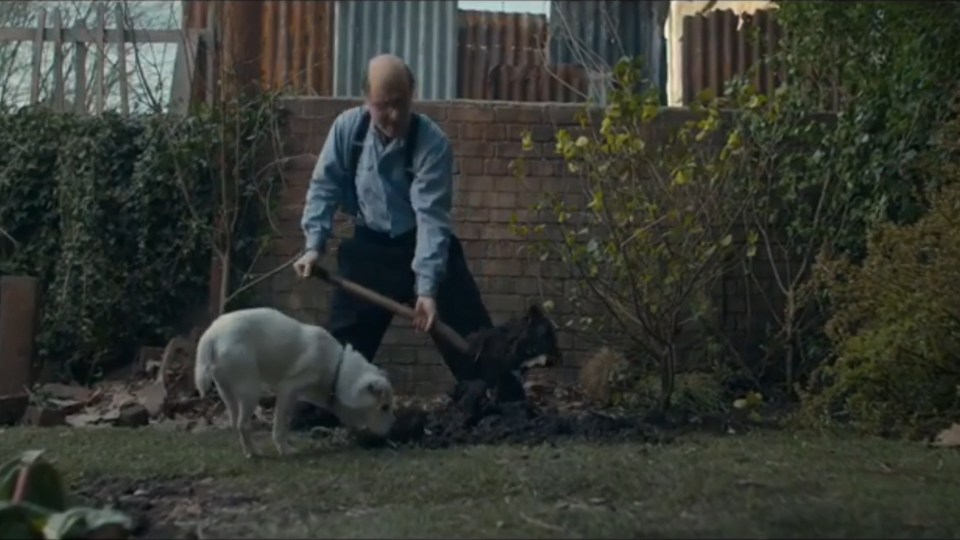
column 436, row 111
column 471, row 166
column 472, row 132
column 497, row 167
column 513, row 149
column 504, row 302
column 503, row 249
column 463, row 148
column 504, row 200
column 471, row 113
column 493, row 132
column 503, row 268
column 482, row 184
column 532, row 114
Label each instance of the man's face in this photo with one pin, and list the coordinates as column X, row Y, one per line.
column 389, row 107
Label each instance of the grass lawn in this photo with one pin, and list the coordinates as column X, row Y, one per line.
column 757, row 485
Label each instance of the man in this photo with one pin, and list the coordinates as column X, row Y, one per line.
column 402, row 245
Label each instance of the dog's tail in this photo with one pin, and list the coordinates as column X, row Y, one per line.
column 203, row 367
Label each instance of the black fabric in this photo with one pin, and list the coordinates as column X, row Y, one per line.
column 381, row 263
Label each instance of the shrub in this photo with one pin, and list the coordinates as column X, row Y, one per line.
column 896, row 322
column 656, row 232
column 115, row 216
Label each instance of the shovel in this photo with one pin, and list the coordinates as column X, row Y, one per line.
column 439, row 328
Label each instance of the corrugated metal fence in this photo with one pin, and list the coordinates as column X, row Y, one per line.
column 322, row 47
column 422, row 32
column 597, row 33
column 287, row 42
column 503, row 56
column 714, row 51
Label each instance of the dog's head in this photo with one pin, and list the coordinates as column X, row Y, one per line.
column 537, row 341
column 371, row 399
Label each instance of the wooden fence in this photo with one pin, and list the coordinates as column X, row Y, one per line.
column 193, row 65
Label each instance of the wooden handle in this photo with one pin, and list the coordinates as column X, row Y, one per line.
column 439, row 328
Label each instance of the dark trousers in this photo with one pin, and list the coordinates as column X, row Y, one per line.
column 381, row 263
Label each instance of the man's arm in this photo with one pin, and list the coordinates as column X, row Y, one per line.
column 431, row 197
column 326, row 187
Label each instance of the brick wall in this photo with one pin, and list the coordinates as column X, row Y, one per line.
column 486, row 137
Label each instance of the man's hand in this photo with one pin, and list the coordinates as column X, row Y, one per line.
column 424, row 313
column 305, row 263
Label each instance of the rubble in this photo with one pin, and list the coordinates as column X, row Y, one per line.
column 132, row 415
column 39, row 416
column 159, row 391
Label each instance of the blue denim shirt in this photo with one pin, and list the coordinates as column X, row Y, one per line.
column 385, row 200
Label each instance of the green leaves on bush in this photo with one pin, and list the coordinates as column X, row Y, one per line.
column 116, row 217
column 657, row 229
column 33, row 504
column 896, row 322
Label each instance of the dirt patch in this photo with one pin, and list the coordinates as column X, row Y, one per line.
column 166, row 507
column 472, row 417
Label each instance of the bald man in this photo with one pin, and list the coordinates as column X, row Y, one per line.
column 392, row 170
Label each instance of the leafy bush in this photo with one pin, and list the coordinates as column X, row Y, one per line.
column 609, row 379
column 887, row 69
column 33, row 504
column 115, row 216
column 896, row 321
column 657, row 231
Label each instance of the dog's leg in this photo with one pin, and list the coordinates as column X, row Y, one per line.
column 286, row 398
column 230, row 402
column 246, row 403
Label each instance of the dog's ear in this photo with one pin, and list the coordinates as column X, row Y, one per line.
column 376, row 389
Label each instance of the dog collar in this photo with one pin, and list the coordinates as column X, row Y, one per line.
column 336, row 377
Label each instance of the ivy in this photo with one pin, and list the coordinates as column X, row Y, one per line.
column 115, row 215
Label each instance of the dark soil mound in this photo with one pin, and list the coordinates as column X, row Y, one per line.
column 474, row 419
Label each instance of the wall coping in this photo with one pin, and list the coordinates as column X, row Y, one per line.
column 297, row 103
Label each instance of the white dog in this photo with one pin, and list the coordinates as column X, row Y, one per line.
column 245, row 350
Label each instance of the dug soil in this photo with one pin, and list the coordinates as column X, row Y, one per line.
column 470, row 417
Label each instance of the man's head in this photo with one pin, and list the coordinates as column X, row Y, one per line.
column 388, row 87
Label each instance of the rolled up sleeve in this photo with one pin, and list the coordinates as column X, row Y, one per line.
column 326, row 187
column 431, row 196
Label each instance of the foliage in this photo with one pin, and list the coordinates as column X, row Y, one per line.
column 115, row 217
column 890, row 69
column 810, row 180
column 33, row 504
column 896, row 322
column 609, row 379
column 657, row 231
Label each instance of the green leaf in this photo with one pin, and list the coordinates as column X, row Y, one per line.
column 680, row 177
column 82, row 522
column 16, row 521
column 726, row 240
column 44, row 485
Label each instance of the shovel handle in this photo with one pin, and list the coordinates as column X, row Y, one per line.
column 441, row 329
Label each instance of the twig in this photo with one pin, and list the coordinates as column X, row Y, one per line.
column 11, row 238
column 543, row 524
column 261, row 278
